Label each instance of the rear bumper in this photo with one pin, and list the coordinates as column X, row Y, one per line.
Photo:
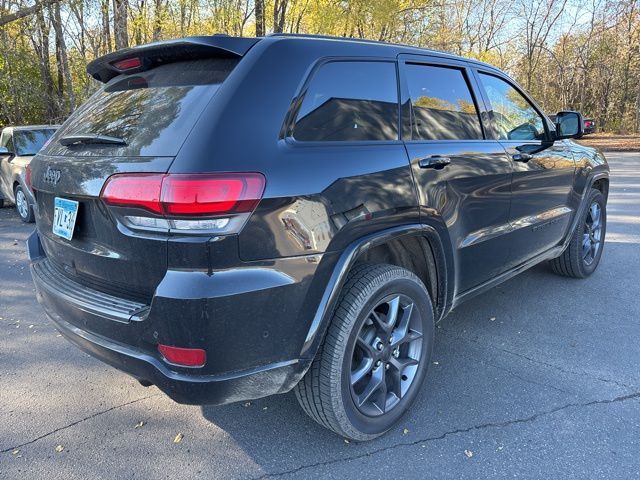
column 186, row 388
column 125, row 335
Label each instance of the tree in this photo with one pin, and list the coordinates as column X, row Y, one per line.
column 120, row 23
column 25, row 12
column 260, row 31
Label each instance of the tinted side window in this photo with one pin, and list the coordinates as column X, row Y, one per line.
column 441, row 103
column 513, row 116
column 350, row 101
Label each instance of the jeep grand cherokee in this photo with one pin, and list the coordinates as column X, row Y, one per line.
column 230, row 218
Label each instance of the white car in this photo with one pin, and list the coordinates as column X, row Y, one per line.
column 18, row 145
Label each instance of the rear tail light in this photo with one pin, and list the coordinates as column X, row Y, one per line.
column 136, row 190
column 185, row 357
column 207, row 203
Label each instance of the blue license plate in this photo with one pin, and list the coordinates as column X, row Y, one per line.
column 64, row 217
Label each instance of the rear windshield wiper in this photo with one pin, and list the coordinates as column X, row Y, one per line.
column 91, row 140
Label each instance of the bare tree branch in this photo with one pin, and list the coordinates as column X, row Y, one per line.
column 25, row 12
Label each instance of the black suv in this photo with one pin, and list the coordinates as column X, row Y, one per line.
column 230, row 218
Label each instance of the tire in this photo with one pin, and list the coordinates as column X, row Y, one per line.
column 575, row 261
column 326, row 392
column 1, row 202
column 23, row 206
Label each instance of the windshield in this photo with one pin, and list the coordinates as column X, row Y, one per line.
column 152, row 111
column 29, row 142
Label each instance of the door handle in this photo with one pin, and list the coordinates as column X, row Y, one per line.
column 435, row 161
column 521, row 157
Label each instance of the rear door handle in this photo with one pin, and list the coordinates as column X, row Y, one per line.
column 434, row 161
column 521, row 157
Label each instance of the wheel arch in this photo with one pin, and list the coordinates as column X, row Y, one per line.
column 601, row 183
column 416, row 247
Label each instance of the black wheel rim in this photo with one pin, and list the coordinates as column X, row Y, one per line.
column 386, row 355
column 592, row 235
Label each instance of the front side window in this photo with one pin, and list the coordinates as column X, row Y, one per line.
column 513, row 116
column 441, row 103
column 349, row 101
column 6, row 141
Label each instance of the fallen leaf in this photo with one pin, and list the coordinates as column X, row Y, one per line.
column 16, row 451
column 248, row 404
column 178, row 438
column 139, row 424
column 436, row 363
column 59, row 448
column 265, row 408
column 405, row 431
column 493, row 319
column 346, row 441
column 468, row 453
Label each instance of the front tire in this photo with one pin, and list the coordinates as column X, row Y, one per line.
column 375, row 355
column 582, row 256
column 23, row 206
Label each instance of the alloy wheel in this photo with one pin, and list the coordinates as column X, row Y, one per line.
column 386, row 355
column 592, row 234
column 22, row 204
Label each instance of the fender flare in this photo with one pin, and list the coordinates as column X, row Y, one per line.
column 593, row 178
column 349, row 257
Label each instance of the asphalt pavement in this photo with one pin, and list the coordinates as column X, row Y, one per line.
column 537, row 378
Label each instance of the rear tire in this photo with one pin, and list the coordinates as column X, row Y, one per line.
column 582, row 256
column 23, row 206
column 362, row 379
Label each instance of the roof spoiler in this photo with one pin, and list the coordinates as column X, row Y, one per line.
column 148, row 56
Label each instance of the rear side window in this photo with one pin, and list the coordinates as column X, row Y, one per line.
column 441, row 103
column 350, row 101
column 513, row 116
column 152, row 111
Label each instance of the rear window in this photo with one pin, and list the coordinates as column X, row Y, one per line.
column 350, row 101
column 153, row 111
column 29, row 142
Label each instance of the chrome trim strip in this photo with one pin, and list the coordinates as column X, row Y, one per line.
column 530, row 220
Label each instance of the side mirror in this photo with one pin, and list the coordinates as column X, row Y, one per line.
column 569, row 125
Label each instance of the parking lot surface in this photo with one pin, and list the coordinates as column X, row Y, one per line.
column 537, row 378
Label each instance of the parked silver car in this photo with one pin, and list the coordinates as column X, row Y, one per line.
column 18, row 145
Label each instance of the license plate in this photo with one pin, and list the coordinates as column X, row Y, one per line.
column 64, row 217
